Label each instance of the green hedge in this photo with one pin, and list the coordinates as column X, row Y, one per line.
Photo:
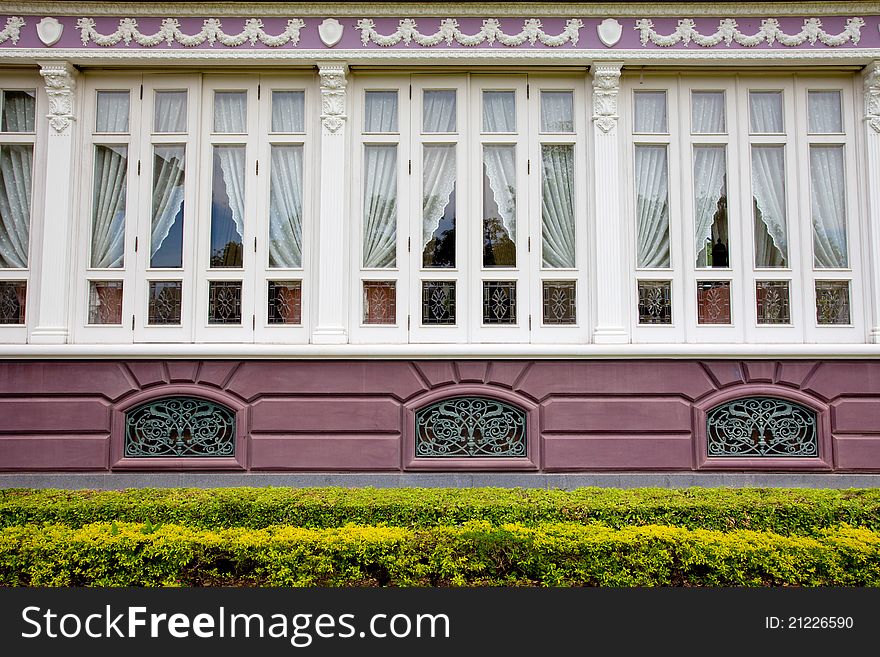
column 784, row 511
column 475, row 554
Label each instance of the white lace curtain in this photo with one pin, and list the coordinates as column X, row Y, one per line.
column 230, row 115
column 380, row 206
column 19, row 111
column 168, row 179
column 112, row 111
column 285, row 207
column 765, row 112
column 650, row 111
column 557, row 206
column 823, row 110
column 381, row 111
column 288, row 111
column 438, row 183
column 16, row 163
column 500, row 162
column 710, row 167
column 828, row 195
column 438, row 114
column 170, row 111
column 652, row 206
column 108, row 206
column 499, row 111
column 557, row 113
column 707, row 112
column 768, row 188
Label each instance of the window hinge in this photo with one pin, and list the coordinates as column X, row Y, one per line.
column 410, row 167
column 142, row 92
column 135, row 244
column 529, row 244
column 132, row 322
column 530, row 322
column 410, row 92
column 528, row 167
column 258, row 92
column 257, row 168
column 254, row 322
column 255, row 244
column 527, row 91
column 408, row 321
column 409, row 244
column 139, row 167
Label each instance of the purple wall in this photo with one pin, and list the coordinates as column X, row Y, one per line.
column 584, row 415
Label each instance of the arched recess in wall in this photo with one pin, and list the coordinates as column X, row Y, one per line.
column 471, row 427
column 762, row 427
column 179, row 427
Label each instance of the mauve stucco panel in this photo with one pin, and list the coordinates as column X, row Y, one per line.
column 325, row 415
column 215, row 372
column 53, row 415
column 181, row 371
column 437, row 373
column 472, row 371
column 618, row 453
column 856, row 416
column 54, row 453
column 760, row 371
column 793, row 372
column 70, row 377
column 147, row 373
column 838, row 378
column 857, row 452
column 725, row 372
column 325, row 452
column 505, row 372
column 633, row 415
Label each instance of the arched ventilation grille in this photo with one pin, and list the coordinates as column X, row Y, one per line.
column 470, row 427
column 179, row 427
column 762, row 427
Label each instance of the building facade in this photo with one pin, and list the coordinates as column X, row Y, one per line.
column 505, row 237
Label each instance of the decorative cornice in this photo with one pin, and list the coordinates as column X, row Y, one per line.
column 449, row 33
column 212, row 32
column 12, row 30
column 606, row 87
column 60, row 79
column 333, row 84
column 770, row 32
column 872, row 96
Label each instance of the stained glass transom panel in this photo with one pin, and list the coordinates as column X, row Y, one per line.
column 179, row 427
column 762, row 427
column 470, row 427
column 12, row 301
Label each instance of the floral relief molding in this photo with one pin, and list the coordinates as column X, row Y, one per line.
column 770, row 32
column 12, row 31
column 449, row 33
column 169, row 32
column 872, row 96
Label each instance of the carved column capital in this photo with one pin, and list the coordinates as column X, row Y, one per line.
column 60, row 80
column 606, row 87
column 333, row 85
column 872, row 95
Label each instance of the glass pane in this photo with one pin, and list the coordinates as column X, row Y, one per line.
column 713, row 302
column 499, row 302
column 380, row 206
column 828, row 203
column 768, row 190
column 771, row 298
column 108, row 206
column 164, row 302
column 438, row 302
column 557, row 111
column 655, row 302
column 439, row 110
column 499, row 206
column 712, row 242
column 112, row 111
column 707, row 112
column 650, row 112
column 170, row 111
column 380, row 114
column 288, row 111
column 227, row 206
column 652, row 206
column 560, row 302
column 166, row 241
column 765, row 112
column 19, row 111
column 13, row 299
column 558, row 244
column 438, row 206
column 832, row 302
column 499, row 111
column 286, row 206
column 105, row 302
column 285, row 302
column 380, row 302
column 224, row 302
column 16, row 165
column 230, row 112
column 824, row 112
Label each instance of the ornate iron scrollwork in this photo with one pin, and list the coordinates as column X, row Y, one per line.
column 762, row 427
column 179, row 427
column 470, row 427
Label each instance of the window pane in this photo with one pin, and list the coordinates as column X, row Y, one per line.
column 828, row 202
column 112, row 111
column 286, row 207
column 285, row 302
column 558, row 244
column 380, row 114
column 19, row 111
column 499, row 111
column 765, row 111
column 227, row 206
column 380, row 302
column 108, row 206
column 707, row 112
column 499, row 302
column 768, row 189
column 288, row 111
column 438, row 206
column 438, row 302
column 13, row 299
column 713, row 302
column 832, row 302
column 224, row 302
column 166, row 243
column 652, row 206
column 650, row 112
column 105, row 302
column 380, row 206
column 164, row 303
column 655, row 302
column 771, row 298
column 16, row 165
column 712, row 243
column 560, row 302
column 499, row 206
column 170, row 111
column 230, row 112
column 438, row 113
column 557, row 111
column 823, row 109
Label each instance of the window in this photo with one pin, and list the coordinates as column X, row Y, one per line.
column 197, row 204
column 472, row 227
column 470, row 427
column 762, row 427
column 175, row 427
column 742, row 210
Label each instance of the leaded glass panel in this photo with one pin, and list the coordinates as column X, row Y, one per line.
column 438, row 302
column 164, row 302
column 655, row 302
column 713, row 302
column 470, row 427
column 560, row 302
column 13, row 297
column 224, row 302
column 105, row 302
column 380, row 302
column 179, row 427
column 285, row 302
column 772, row 300
column 762, row 427
column 832, row 302
column 499, row 302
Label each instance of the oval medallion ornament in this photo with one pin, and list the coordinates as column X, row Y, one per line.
column 330, row 32
column 49, row 30
column 609, row 31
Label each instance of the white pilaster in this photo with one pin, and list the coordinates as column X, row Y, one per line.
column 51, row 325
column 872, row 175
column 332, row 309
column 611, row 273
